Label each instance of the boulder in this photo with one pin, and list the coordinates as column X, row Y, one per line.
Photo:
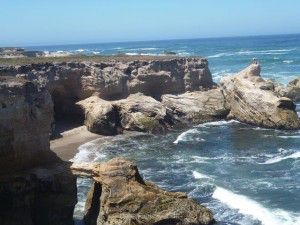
column 121, row 196
column 196, row 107
column 253, row 100
column 101, row 116
column 143, row 113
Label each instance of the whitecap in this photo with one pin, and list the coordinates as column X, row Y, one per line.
column 88, row 152
column 182, row 136
column 198, row 175
column 218, row 123
column 289, row 136
column 288, row 61
column 277, row 159
column 247, row 206
column 79, row 50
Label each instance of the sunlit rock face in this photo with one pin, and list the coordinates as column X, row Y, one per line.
column 253, row 100
column 121, row 196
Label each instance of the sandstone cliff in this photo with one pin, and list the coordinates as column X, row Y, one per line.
column 36, row 188
column 121, row 196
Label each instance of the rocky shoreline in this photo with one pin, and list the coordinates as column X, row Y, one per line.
column 110, row 98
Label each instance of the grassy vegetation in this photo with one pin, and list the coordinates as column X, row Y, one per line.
column 77, row 58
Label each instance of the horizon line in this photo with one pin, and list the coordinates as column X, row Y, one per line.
column 154, row 40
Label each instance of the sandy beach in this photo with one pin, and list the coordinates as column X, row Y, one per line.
column 66, row 146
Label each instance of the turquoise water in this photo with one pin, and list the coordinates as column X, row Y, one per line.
column 246, row 175
column 279, row 55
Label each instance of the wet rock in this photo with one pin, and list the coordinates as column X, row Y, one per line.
column 251, row 102
column 121, row 196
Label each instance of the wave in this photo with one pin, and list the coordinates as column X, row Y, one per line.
column 249, row 52
column 79, row 50
column 288, row 61
column 247, row 206
column 218, row 123
column 182, row 136
column 88, row 152
column 198, row 175
column 289, row 137
column 277, row 159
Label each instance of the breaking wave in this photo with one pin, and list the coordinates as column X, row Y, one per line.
column 277, row 159
column 247, row 206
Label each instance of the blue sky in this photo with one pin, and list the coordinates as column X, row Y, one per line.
column 36, row 22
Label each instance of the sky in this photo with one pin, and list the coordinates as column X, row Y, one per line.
column 36, row 22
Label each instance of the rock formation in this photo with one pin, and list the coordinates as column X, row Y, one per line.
column 252, row 100
column 36, row 188
column 121, row 196
column 71, row 82
column 196, row 107
column 292, row 90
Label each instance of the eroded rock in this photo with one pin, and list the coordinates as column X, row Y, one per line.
column 121, row 196
column 251, row 102
column 197, row 107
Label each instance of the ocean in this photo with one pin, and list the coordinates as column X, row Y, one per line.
column 279, row 55
column 245, row 174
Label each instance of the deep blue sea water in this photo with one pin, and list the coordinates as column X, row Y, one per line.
column 279, row 55
column 246, row 175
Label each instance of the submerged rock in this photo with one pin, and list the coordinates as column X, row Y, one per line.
column 252, row 100
column 196, row 107
column 121, row 196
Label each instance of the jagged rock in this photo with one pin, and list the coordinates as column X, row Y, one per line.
column 101, row 116
column 292, row 90
column 121, row 196
column 143, row 113
column 251, row 102
column 196, row 107
column 36, row 187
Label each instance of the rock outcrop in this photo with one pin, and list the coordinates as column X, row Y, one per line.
column 196, row 107
column 252, row 100
column 292, row 90
column 143, row 113
column 72, row 82
column 121, row 196
column 26, row 115
column 36, row 188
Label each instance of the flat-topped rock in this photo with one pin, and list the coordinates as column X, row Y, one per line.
column 253, row 100
column 121, row 196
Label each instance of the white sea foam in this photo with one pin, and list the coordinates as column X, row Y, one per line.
column 288, row 61
column 79, row 50
column 183, row 136
column 198, row 175
column 249, row 52
column 289, row 136
column 277, row 159
column 88, row 152
column 218, row 123
column 247, row 206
